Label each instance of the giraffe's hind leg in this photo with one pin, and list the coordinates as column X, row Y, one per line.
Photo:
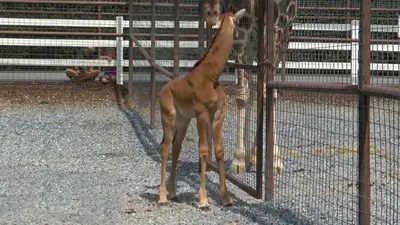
column 167, row 119
column 181, row 126
column 217, row 124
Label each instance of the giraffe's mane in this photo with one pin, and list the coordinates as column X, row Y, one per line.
column 207, row 53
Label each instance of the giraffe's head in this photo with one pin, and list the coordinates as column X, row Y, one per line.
column 232, row 20
column 213, row 11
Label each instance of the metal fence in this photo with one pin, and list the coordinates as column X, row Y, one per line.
column 335, row 119
column 339, row 138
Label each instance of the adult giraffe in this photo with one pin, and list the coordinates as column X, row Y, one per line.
column 285, row 13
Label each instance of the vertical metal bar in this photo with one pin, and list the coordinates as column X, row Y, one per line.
column 283, row 69
column 201, row 28
column 348, row 34
column 130, row 51
column 210, row 141
column 201, row 51
column 269, row 43
column 347, row 18
column 119, row 52
column 99, row 28
column 208, row 35
column 209, row 39
column 355, row 51
column 364, row 187
column 176, row 38
column 153, row 70
column 260, row 98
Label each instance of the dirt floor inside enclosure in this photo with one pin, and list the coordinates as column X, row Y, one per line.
column 95, row 93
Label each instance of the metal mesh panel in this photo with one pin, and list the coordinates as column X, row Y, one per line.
column 385, row 160
column 337, row 170
column 324, row 44
column 174, row 60
column 40, row 41
column 320, row 44
column 317, row 138
column 385, row 44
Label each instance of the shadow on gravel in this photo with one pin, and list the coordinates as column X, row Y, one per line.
column 257, row 212
column 140, row 126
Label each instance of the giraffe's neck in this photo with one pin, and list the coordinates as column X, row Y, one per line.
column 210, row 66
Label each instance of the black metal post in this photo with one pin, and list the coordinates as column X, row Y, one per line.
column 153, row 70
column 176, row 39
column 269, row 103
column 260, row 97
column 130, row 50
column 364, row 187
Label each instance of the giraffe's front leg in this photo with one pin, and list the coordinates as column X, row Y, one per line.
column 203, row 120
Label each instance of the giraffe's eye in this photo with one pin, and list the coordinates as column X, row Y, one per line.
column 208, row 13
column 215, row 13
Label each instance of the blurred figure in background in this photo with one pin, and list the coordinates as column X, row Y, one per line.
column 110, row 72
column 83, row 73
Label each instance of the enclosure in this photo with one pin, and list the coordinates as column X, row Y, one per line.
column 331, row 112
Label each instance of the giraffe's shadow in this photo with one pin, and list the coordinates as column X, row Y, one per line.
column 254, row 211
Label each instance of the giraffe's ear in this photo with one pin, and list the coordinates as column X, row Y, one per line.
column 238, row 15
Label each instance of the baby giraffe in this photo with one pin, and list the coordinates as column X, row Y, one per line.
column 198, row 95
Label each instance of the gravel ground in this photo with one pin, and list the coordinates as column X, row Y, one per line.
column 84, row 154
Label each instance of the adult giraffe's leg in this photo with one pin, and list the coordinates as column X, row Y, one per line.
column 250, row 157
column 203, row 120
column 217, row 123
column 167, row 119
column 277, row 163
column 238, row 164
column 179, row 134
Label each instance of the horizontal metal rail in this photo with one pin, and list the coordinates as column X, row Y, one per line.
column 233, row 179
column 342, row 88
column 22, row 12
column 95, row 3
column 381, row 91
column 61, row 33
column 349, row 9
column 67, row 33
column 346, row 88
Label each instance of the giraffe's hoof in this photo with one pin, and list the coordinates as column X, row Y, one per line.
column 227, row 204
column 237, row 167
column 162, row 202
column 279, row 169
column 205, row 206
column 173, row 199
